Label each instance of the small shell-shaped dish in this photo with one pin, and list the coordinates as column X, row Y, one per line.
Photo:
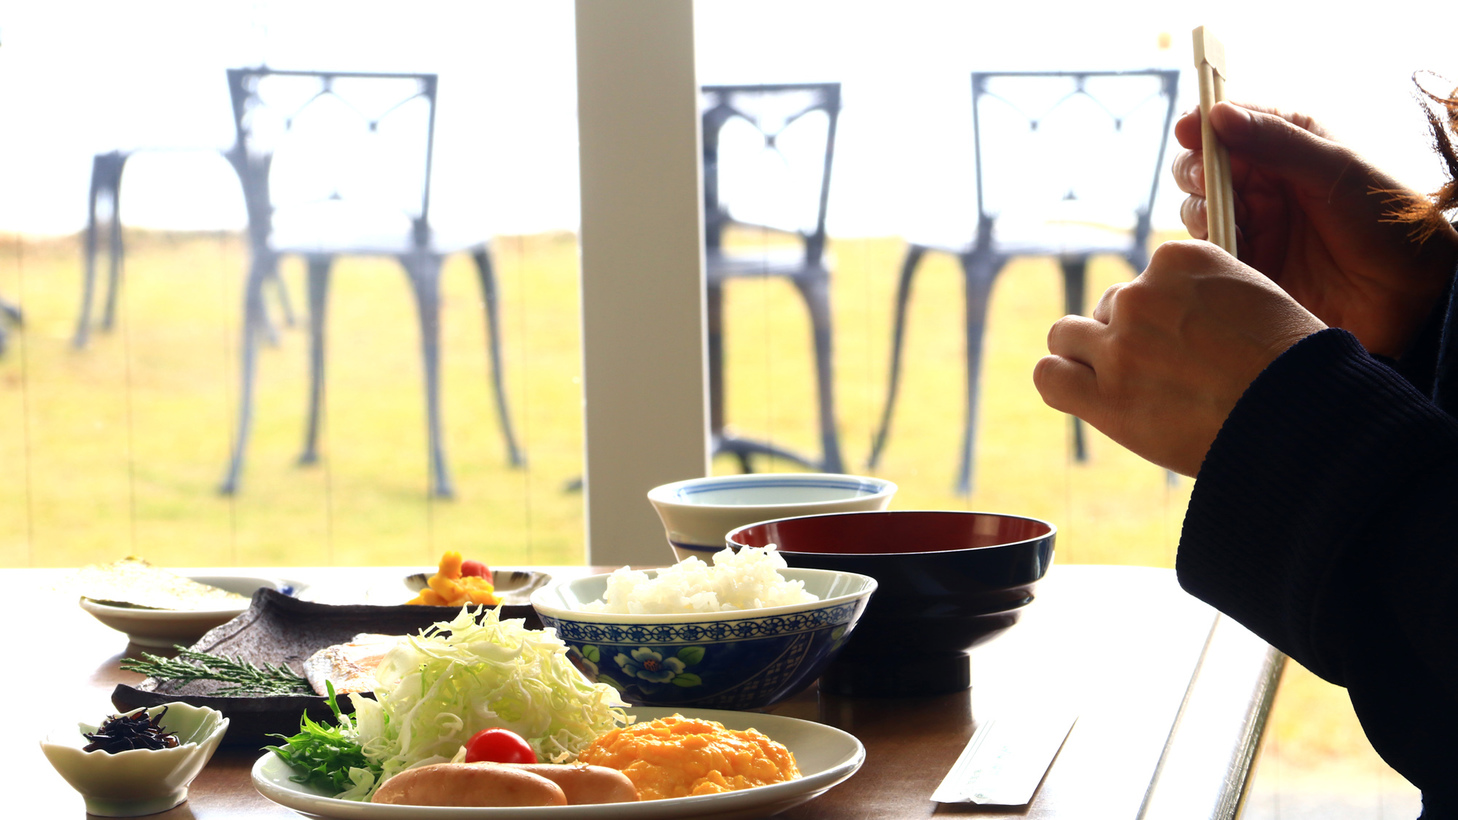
column 139, row 781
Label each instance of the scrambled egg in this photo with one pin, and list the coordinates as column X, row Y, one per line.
column 679, row 757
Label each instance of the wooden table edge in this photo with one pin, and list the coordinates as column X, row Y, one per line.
column 1210, row 757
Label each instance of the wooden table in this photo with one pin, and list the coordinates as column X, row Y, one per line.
column 1171, row 702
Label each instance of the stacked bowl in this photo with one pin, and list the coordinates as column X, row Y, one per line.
column 946, row 582
column 699, row 512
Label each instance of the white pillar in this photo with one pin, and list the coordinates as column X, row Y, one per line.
column 643, row 336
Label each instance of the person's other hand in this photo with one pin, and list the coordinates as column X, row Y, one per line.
column 1315, row 217
column 1165, row 357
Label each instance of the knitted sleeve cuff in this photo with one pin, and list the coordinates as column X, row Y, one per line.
column 1320, row 445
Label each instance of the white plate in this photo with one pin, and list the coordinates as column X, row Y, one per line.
column 825, row 755
column 169, row 627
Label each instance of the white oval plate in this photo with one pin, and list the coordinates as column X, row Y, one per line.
column 825, row 755
column 167, row 627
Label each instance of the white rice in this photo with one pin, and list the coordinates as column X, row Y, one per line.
column 748, row 579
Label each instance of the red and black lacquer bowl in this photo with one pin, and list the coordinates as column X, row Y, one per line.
column 948, row 581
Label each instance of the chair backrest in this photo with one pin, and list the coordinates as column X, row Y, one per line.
column 768, row 151
column 344, row 151
column 1071, row 146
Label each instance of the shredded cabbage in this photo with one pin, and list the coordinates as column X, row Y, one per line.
column 435, row 690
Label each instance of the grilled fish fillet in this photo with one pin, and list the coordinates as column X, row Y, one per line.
column 349, row 666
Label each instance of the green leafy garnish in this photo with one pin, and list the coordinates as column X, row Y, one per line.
column 245, row 678
column 327, row 757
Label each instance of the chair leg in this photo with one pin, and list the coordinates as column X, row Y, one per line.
column 490, row 297
column 714, row 318
column 105, row 189
column 979, row 272
column 318, row 320
column 424, row 270
column 1075, row 287
column 724, row 442
column 266, row 325
column 88, row 285
column 9, row 313
column 909, row 264
column 253, row 320
column 285, row 304
column 114, row 271
column 742, row 448
column 272, row 278
column 816, row 291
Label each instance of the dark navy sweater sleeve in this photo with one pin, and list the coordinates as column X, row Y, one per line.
column 1325, row 519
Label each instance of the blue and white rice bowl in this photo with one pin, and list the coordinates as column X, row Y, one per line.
column 697, row 513
column 737, row 659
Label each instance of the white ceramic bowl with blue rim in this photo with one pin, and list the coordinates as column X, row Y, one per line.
column 699, row 512
column 737, row 659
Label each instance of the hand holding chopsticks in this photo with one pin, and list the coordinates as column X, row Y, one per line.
column 1219, row 190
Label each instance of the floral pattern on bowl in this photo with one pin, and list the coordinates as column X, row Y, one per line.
column 726, row 660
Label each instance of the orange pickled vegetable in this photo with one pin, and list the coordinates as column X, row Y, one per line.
column 449, row 587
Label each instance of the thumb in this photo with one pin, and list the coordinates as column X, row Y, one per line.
column 1279, row 146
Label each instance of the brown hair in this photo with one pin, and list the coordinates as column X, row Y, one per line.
column 1426, row 214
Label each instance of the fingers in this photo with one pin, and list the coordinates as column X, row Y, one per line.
column 1075, row 338
column 1293, row 145
column 1104, row 311
column 1189, row 172
column 1189, row 176
column 1065, row 385
column 1187, row 130
column 1195, row 217
column 1065, row 379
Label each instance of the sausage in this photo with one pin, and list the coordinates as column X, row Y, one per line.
column 469, row 784
column 584, row 784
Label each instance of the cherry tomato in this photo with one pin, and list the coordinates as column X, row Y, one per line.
column 499, row 746
column 475, row 568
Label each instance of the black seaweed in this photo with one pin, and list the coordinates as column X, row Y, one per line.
column 123, row 733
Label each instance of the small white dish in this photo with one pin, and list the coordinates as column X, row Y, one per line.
column 697, row 513
column 826, row 756
column 139, row 781
column 170, row 627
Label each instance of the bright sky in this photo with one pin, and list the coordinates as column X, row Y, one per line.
column 79, row 76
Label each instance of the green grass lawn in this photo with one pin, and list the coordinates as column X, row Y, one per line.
column 118, row 449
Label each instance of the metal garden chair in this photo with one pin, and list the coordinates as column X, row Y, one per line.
column 339, row 163
column 1067, row 166
column 768, row 152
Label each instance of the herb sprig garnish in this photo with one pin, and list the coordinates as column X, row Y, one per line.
column 243, row 677
column 324, row 756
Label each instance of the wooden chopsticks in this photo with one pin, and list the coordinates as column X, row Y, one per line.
column 1219, row 190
